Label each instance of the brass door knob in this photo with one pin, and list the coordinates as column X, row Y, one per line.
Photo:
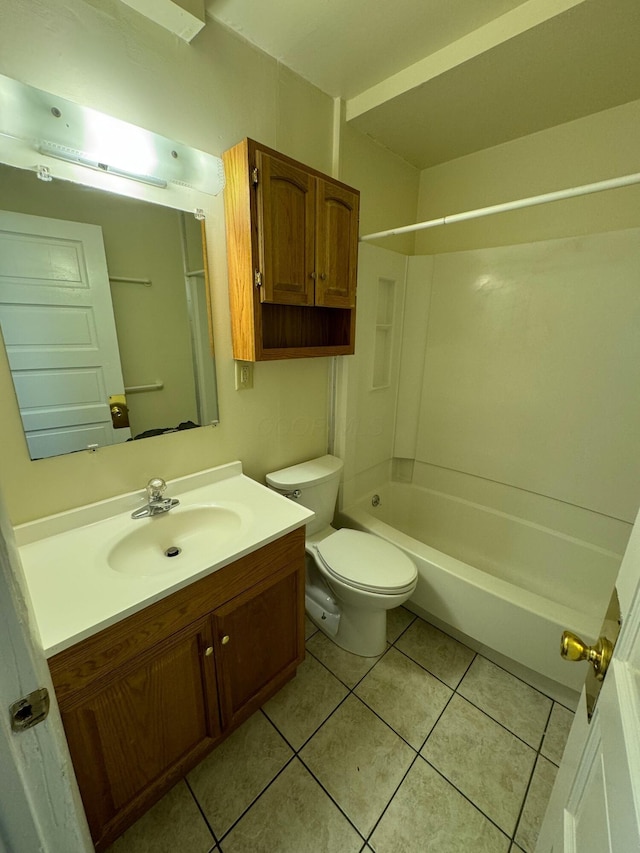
column 208, row 651
column 225, row 639
column 573, row 648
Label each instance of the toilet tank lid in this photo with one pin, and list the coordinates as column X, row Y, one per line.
column 315, row 470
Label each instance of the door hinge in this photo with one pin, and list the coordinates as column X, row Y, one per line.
column 257, row 278
column 255, row 174
column 29, row 710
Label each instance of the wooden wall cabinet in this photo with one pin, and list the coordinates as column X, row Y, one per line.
column 143, row 701
column 292, row 250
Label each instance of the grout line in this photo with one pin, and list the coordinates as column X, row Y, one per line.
column 315, row 731
column 518, row 678
column 349, row 688
column 431, row 730
column 467, row 798
column 526, row 794
column 333, row 800
column 255, row 800
column 544, row 733
column 497, row 722
column 428, row 671
column 201, row 810
column 393, row 795
column 385, row 722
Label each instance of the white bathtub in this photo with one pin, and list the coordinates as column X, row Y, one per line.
column 507, row 584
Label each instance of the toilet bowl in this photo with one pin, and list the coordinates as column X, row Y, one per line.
column 352, row 578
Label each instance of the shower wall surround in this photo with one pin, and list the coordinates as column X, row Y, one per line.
column 516, row 383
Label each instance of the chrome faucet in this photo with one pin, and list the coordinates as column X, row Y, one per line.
column 156, row 502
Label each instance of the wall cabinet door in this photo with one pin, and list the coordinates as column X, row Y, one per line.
column 308, row 236
column 286, row 217
column 259, row 642
column 155, row 717
column 336, row 245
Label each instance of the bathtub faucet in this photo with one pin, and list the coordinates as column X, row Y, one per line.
column 157, row 504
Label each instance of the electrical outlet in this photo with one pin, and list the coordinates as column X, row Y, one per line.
column 244, row 375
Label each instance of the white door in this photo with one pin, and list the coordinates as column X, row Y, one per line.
column 40, row 808
column 57, row 321
column 595, row 803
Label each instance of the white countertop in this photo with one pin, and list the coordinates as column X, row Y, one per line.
column 74, row 591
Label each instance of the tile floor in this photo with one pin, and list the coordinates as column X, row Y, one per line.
column 430, row 747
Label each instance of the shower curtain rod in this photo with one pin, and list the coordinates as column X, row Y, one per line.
column 585, row 189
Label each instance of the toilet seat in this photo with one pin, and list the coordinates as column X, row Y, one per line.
column 366, row 562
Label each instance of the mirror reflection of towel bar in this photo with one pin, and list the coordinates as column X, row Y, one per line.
column 158, row 385
column 146, row 282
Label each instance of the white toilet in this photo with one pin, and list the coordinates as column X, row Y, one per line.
column 353, row 578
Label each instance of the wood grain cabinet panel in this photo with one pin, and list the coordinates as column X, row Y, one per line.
column 337, row 245
column 156, row 716
column 292, row 252
column 259, row 639
column 286, row 223
column 143, row 701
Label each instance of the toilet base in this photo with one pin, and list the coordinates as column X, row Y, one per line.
column 361, row 632
column 322, row 610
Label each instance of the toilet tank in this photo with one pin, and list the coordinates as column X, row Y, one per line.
column 318, row 481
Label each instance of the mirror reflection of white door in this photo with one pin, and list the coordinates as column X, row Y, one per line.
column 57, row 322
column 203, row 363
column 595, row 802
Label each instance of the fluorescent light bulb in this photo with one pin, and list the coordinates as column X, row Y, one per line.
column 78, row 158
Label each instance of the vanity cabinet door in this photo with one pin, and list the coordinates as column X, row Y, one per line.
column 259, row 642
column 132, row 736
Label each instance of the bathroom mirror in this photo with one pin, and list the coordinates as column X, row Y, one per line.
column 148, row 260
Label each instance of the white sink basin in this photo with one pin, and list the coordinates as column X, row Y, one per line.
column 90, row 567
column 162, row 542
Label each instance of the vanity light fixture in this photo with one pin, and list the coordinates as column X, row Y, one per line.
column 32, row 120
column 81, row 159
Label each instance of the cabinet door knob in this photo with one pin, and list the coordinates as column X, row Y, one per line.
column 208, row 651
column 225, row 639
column 323, row 276
column 312, row 275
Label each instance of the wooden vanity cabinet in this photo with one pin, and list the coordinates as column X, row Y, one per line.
column 143, row 701
column 292, row 250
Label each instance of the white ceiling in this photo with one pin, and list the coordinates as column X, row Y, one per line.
column 437, row 79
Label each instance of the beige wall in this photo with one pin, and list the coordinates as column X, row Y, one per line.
column 389, row 187
column 590, row 149
column 209, row 94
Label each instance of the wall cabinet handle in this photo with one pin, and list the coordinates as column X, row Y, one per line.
column 225, row 639
column 208, row 651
